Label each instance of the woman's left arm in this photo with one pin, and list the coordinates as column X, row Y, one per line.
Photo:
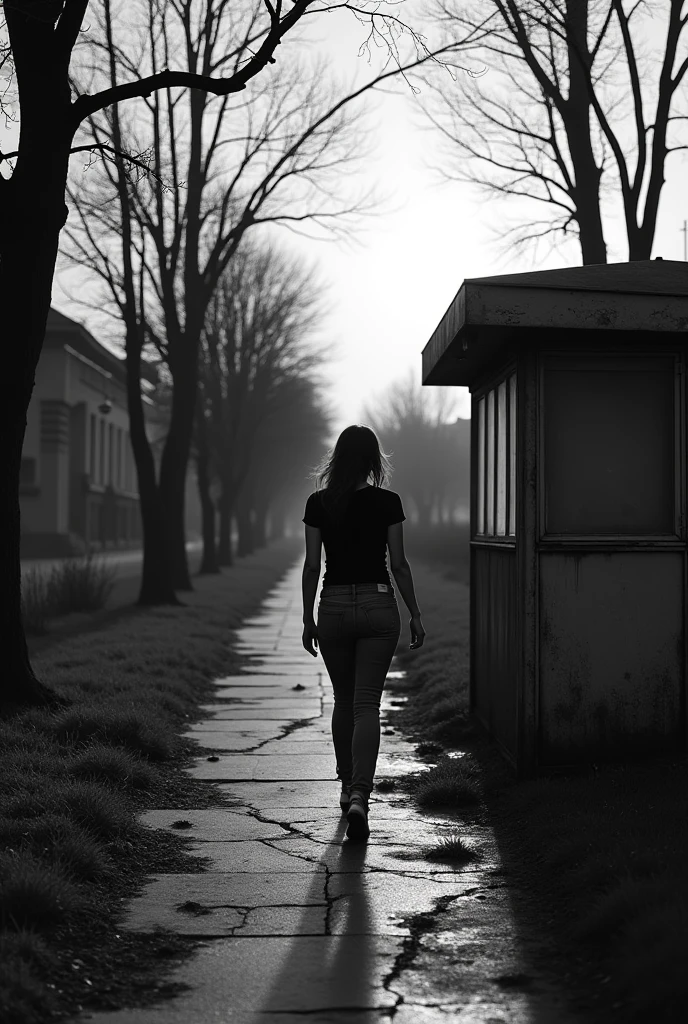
column 311, row 573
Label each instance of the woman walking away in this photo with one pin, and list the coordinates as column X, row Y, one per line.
column 358, row 619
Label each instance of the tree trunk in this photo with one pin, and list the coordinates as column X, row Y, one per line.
column 20, row 686
column 209, row 562
column 156, row 576
column 577, row 121
column 224, row 551
column 175, row 459
column 33, row 214
column 245, row 545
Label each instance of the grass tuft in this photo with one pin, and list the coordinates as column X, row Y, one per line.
column 100, row 811
column 135, row 729
column 452, row 849
column 75, row 585
column 113, row 765
column 33, row 894
column 452, row 783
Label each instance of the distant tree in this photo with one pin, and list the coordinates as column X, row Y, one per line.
column 37, row 41
column 288, row 441
column 431, row 467
column 258, row 334
column 278, row 156
column 574, row 111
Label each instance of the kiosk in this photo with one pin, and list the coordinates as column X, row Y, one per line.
column 578, row 564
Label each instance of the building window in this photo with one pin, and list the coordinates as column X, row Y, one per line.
column 118, row 481
column 128, row 474
column 92, row 449
column 27, row 472
column 101, row 451
column 621, row 415
column 496, row 457
column 111, row 454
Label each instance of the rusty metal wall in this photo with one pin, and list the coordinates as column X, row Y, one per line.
column 611, row 676
column 494, row 648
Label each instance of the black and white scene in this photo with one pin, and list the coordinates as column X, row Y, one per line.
column 344, row 591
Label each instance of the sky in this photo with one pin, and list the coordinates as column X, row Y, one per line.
column 390, row 284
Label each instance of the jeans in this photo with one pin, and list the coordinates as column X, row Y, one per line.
column 358, row 631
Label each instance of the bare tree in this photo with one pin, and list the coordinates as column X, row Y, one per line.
column 416, row 429
column 287, row 443
column 258, row 334
column 575, row 110
column 37, row 41
column 277, row 156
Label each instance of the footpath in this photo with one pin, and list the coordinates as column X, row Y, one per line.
column 299, row 924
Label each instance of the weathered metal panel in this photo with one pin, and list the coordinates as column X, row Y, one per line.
column 611, row 638
column 527, row 532
column 494, row 643
column 608, row 435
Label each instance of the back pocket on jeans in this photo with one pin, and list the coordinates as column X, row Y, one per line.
column 383, row 619
column 329, row 622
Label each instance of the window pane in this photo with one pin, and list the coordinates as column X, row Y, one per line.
column 501, row 459
column 512, row 455
column 490, row 464
column 480, row 528
column 92, row 450
column 101, row 451
column 609, row 445
column 111, row 454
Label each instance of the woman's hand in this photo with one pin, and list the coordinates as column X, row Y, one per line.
column 310, row 638
column 417, row 633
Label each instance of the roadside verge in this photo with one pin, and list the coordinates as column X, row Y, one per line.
column 71, row 850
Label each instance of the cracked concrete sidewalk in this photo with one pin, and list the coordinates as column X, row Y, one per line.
column 298, row 922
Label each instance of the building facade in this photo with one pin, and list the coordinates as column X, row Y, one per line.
column 78, row 477
column 579, row 508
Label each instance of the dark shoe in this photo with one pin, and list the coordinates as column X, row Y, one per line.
column 344, row 799
column 357, row 817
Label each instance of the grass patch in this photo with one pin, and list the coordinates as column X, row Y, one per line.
column 450, row 783
column 33, row 894
column 429, row 748
column 74, row 585
column 452, row 849
column 102, row 763
column 74, row 780
column 135, row 728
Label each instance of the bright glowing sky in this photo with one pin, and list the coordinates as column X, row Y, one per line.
column 390, row 287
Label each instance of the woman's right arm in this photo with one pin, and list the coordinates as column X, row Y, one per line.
column 401, row 570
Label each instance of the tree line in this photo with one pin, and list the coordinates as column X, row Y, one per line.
column 195, row 127
column 149, row 88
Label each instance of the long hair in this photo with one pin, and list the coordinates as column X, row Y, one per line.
column 356, row 455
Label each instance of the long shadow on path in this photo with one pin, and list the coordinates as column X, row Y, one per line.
column 337, row 976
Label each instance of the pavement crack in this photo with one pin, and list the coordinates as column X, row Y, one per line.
column 418, row 925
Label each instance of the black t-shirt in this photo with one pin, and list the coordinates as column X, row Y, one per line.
column 356, row 550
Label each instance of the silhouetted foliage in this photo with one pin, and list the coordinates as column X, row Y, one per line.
column 37, row 43
column 430, row 452
column 258, row 358
column 577, row 111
